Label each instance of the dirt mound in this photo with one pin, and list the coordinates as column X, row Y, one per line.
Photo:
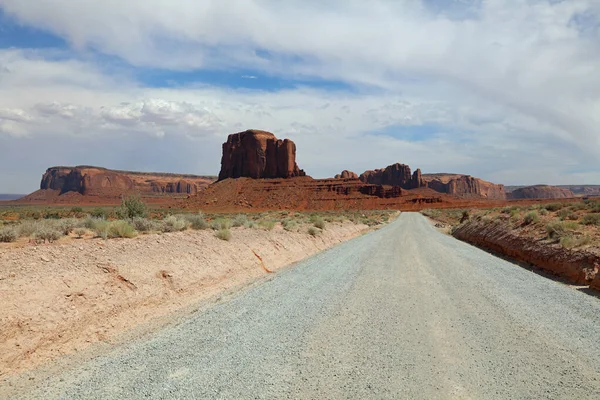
column 541, row 192
column 95, row 185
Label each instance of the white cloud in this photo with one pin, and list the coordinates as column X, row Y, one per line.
column 513, row 84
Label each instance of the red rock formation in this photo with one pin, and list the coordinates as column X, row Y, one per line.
column 95, row 184
column 346, row 175
column 464, row 186
column 258, row 154
column 541, row 192
column 394, row 175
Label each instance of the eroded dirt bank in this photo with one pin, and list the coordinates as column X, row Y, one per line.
column 576, row 266
column 60, row 298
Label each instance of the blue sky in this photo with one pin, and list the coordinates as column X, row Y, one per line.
column 507, row 90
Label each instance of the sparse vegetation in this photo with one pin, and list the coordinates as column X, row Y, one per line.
column 591, row 219
column 267, row 225
column 8, row 235
column 48, row 234
column 319, row 223
column 144, row 225
column 174, row 223
column 220, row 223
column 131, row 207
column 531, row 217
column 197, row 221
column 223, row 234
column 239, row 220
column 571, row 241
column 313, row 231
column 121, row 229
column 80, row 232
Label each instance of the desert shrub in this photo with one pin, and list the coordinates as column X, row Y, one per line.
column 515, row 212
column 76, row 210
column 98, row 213
column 8, row 235
column 66, row 226
column 131, row 207
column 506, row 210
column 267, row 224
column 554, row 206
column 100, row 228
column 557, row 229
column 144, row 225
column 312, row 231
column 543, row 211
column 572, row 216
column 28, row 228
column 88, row 222
column 48, row 234
column 223, row 234
column 220, row 224
column 121, row 229
column 289, row 224
column 197, row 221
column 174, row 224
column 531, row 217
column 319, row 223
column 80, row 232
column 570, row 241
column 51, row 215
column 591, row 219
column 239, row 220
column 250, row 224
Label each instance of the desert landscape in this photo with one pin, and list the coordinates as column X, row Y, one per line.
column 299, row 200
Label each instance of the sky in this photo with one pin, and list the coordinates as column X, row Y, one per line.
column 505, row 90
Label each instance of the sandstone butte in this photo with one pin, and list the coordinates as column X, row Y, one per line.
column 346, row 175
column 87, row 184
column 258, row 154
column 541, row 192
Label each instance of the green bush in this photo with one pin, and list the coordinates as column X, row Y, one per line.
column 531, row 217
column 591, row 219
column 289, row 224
column 267, row 224
column 543, row 211
column 100, row 228
column 220, row 224
column 80, row 232
column 319, row 223
column 239, row 220
column 223, row 234
column 144, row 225
column 121, row 229
column 8, row 235
column 554, row 206
column 557, row 230
column 131, row 207
column 99, row 213
column 89, row 222
column 174, row 224
column 197, row 221
column 313, row 231
column 66, row 226
column 570, row 241
column 76, row 210
column 28, row 228
column 250, row 224
column 48, row 234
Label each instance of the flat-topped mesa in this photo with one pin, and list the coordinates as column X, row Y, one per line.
column 347, row 175
column 258, row 154
column 394, row 175
column 465, row 186
column 541, row 192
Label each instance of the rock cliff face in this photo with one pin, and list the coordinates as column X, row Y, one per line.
column 95, row 181
column 394, row 175
column 465, row 186
column 541, row 192
column 346, row 175
column 258, row 154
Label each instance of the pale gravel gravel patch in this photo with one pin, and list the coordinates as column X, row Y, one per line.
column 403, row 312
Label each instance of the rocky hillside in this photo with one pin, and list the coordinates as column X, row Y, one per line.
column 95, row 184
column 464, row 186
column 394, row 175
column 541, row 192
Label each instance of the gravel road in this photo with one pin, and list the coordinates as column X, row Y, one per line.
column 402, row 312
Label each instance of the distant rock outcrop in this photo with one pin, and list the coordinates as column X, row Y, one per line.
column 541, row 192
column 258, row 154
column 394, row 175
column 346, row 175
column 96, row 184
column 465, row 186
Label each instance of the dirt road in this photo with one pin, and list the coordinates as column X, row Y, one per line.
column 403, row 312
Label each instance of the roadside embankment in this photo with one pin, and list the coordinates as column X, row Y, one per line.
column 62, row 297
column 576, row 266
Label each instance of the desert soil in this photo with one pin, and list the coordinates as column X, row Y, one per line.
column 60, row 298
column 403, row 312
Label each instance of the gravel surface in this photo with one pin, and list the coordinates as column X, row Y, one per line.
column 403, row 312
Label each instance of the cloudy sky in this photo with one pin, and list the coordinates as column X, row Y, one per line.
column 506, row 90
